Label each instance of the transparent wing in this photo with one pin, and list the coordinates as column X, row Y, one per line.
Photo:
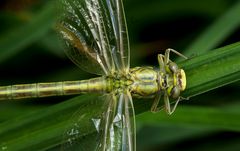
column 106, row 123
column 119, row 124
column 96, row 35
column 121, row 52
column 83, row 131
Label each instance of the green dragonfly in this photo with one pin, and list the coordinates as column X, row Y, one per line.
column 96, row 37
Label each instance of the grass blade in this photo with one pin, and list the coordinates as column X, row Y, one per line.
column 17, row 39
column 212, row 70
column 204, row 117
column 217, row 32
column 204, row 73
column 44, row 129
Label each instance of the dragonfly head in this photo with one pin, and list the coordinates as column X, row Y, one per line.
column 182, row 79
column 177, row 80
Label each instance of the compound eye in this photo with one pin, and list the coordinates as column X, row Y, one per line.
column 175, row 92
column 173, row 67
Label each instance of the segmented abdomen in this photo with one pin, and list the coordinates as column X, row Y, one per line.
column 35, row 90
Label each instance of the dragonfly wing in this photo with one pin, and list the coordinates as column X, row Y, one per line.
column 121, row 51
column 105, row 123
column 85, row 28
column 83, row 130
column 119, row 124
column 96, row 35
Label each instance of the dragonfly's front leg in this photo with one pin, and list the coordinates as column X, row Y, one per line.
column 168, row 108
column 167, row 55
column 167, row 105
column 161, row 63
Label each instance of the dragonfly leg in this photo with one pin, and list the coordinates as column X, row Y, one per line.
column 154, row 107
column 168, row 106
column 161, row 62
column 167, row 54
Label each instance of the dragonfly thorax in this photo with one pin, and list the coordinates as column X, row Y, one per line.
column 145, row 82
column 119, row 82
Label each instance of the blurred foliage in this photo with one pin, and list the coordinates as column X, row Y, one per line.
column 30, row 51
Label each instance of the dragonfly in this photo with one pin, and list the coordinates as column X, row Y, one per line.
column 96, row 38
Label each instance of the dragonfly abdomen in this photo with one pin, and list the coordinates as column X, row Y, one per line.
column 36, row 90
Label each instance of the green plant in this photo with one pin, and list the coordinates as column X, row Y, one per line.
column 39, row 126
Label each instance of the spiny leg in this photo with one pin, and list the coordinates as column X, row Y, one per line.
column 168, row 106
column 167, row 54
column 154, row 107
column 161, row 63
